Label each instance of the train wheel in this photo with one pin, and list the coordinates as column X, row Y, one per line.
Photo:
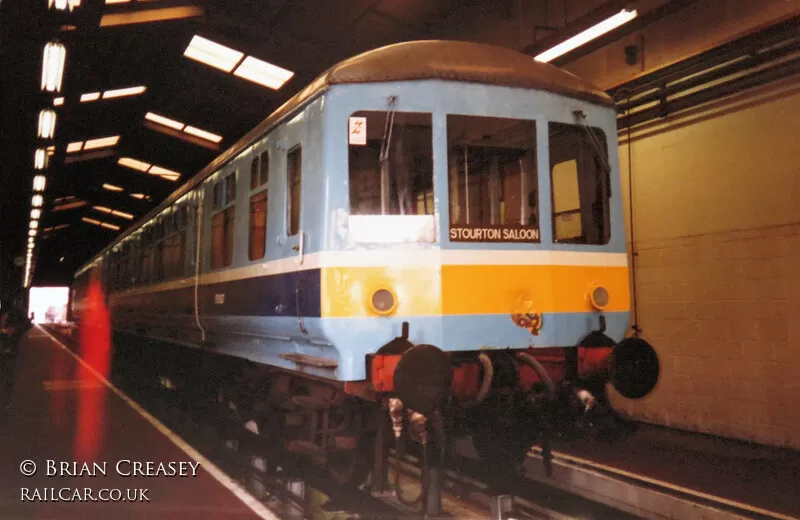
column 350, row 467
column 350, row 446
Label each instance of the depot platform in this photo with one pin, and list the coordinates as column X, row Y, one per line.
column 64, row 411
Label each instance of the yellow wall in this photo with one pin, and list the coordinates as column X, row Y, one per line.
column 717, row 227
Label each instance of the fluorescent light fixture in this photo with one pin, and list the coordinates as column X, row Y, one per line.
column 177, row 125
column 47, row 124
column 133, row 163
column 36, row 213
column 36, row 201
column 609, row 24
column 165, row 173
column 39, row 182
column 53, row 66
column 113, row 212
column 151, row 15
column 111, row 187
column 263, row 73
column 212, row 54
column 34, row 224
column 140, row 196
column 60, row 226
column 70, row 205
column 120, row 92
column 202, row 134
column 164, row 121
column 31, row 232
column 57, row 102
column 117, row 1
column 40, row 159
column 101, row 142
column 92, row 96
column 74, row 147
column 99, row 223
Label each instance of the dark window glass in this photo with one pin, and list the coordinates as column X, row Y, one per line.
column 230, row 189
column 264, row 168
column 258, row 226
column 219, row 199
column 492, row 175
column 222, row 225
column 581, row 184
column 294, row 174
column 391, row 163
column 254, row 173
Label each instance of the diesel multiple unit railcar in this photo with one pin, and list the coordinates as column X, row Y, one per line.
column 432, row 229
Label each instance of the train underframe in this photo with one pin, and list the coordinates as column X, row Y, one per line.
column 419, row 396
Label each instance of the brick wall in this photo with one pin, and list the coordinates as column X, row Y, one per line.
column 717, row 230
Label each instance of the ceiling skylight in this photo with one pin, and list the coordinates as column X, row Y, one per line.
column 148, row 168
column 177, row 125
column 113, row 212
column 213, row 54
column 92, row 96
column 227, row 59
column 263, row 73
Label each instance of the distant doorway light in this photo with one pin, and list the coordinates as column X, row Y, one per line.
column 53, row 66
column 63, row 5
column 607, row 25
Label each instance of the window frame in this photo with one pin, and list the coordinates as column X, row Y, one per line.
column 227, row 207
column 298, row 149
column 607, row 231
column 259, row 184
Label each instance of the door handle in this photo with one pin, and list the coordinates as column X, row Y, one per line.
column 300, row 247
column 300, row 323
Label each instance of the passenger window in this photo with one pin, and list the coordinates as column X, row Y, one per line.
column 258, row 209
column 254, row 173
column 581, row 188
column 492, row 179
column 263, row 168
column 222, row 223
column 391, row 163
column 294, row 173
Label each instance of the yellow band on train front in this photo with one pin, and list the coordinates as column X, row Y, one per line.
column 472, row 289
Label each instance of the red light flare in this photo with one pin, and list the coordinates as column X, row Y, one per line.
column 95, row 350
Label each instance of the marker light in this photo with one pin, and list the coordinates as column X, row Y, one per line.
column 383, row 302
column 609, row 24
column 599, row 298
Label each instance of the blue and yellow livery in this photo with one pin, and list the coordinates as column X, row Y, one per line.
column 424, row 205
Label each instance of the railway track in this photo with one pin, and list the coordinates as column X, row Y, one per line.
column 294, row 488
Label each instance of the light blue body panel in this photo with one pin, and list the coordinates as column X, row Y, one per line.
column 321, row 129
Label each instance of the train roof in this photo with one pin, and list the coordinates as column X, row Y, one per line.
column 417, row 60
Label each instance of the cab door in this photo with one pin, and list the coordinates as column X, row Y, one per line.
column 293, row 238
